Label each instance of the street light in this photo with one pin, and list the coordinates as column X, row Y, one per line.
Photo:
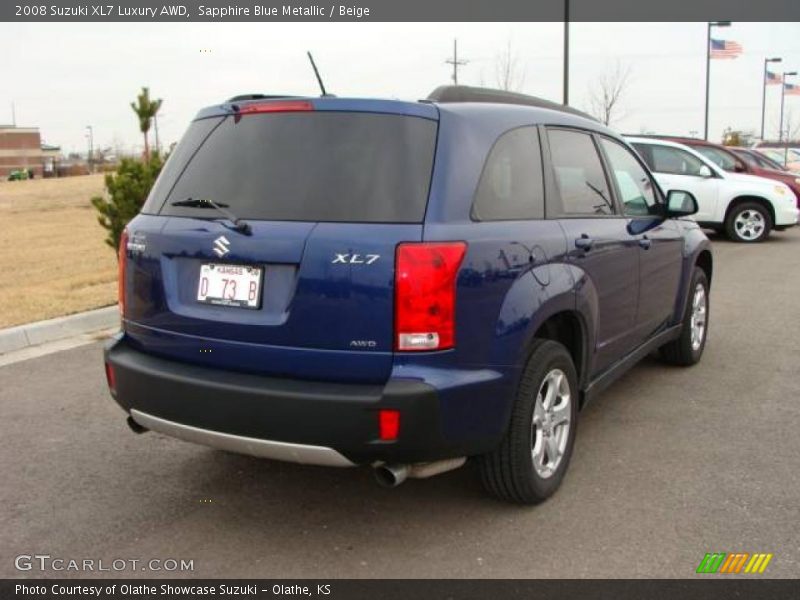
column 708, row 65
column 764, row 91
column 90, row 136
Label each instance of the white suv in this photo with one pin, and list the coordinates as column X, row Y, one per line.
column 745, row 207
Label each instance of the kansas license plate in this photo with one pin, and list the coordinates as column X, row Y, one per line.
column 230, row 285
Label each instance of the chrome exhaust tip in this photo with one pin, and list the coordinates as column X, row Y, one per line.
column 391, row 475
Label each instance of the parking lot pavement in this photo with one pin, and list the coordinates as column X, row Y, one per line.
column 670, row 463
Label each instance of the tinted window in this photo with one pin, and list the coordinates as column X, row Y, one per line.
column 579, row 174
column 310, row 166
column 176, row 162
column 719, row 157
column 633, row 183
column 665, row 159
column 511, row 185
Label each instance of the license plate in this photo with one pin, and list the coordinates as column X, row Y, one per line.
column 229, row 285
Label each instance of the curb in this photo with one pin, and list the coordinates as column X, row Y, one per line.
column 41, row 332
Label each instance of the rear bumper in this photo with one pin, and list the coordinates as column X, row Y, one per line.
column 310, row 422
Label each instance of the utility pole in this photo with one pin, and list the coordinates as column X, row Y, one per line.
column 764, row 91
column 708, row 66
column 90, row 137
column 566, row 52
column 455, row 62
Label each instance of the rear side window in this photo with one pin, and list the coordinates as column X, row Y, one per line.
column 666, row 159
column 579, row 174
column 308, row 166
column 511, row 185
column 720, row 157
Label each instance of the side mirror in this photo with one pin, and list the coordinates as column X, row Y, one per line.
column 705, row 171
column 681, row 204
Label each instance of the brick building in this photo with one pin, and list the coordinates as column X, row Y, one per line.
column 21, row 148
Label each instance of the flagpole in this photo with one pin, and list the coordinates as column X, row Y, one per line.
column 708, row 78
column 708, row 66
column 764, row 92
column 783, row 100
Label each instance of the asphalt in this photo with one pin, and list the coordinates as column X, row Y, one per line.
column 670, row 463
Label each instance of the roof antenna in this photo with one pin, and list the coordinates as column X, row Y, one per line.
column 316, row 72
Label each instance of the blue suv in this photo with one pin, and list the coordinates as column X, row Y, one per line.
column 404, row 285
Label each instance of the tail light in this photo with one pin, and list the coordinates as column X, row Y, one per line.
column 122, row 259
column 111, row 377
column 425, row 295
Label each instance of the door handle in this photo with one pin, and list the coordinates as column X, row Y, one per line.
column 645, row 242
column 584, row 243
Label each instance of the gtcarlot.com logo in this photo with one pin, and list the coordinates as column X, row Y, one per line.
column 734, row 562
column 46, row 562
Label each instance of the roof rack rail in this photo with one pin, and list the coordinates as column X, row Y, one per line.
column 243, row 97
column 466, row 93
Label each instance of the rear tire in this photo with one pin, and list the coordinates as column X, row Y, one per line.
column 529, row 464
column 688, row 348
column 748, row 222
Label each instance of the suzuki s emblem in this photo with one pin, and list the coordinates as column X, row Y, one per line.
column 221, row 246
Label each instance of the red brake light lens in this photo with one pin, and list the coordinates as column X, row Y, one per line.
column 111, row 377
column 122, row 259
column 276, row 106
column 425, row 295
column 388, row 425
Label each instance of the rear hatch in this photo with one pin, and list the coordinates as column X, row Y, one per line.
column 327, row 189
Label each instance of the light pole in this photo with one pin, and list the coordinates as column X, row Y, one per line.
column 708, row 66
column 90, row 137
column 566, row 52
column 764, row 91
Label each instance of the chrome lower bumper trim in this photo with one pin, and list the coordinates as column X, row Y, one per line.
column 298, row 453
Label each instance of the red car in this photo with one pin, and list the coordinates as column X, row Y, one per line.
column 731, row 160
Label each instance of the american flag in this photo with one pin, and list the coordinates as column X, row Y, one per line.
column 774, row 78
column 791, row 89
column 725, row 49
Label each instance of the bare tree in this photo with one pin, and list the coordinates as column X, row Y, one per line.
column 607, row 91
column 509, row 74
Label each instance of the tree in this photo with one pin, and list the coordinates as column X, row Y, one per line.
column 509, row 75
column 127, row 190
column 607, row 91
column 145, row 110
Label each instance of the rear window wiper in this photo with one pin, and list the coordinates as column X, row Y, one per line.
column 239, row 225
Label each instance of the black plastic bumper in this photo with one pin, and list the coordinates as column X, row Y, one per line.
column 340, row 416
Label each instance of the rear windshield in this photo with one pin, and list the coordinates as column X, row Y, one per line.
column 304, row 166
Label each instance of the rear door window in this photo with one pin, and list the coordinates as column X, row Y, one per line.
column 579, row 174
column 512, row 185
column 306, row 166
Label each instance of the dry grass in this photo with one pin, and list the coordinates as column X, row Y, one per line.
column 53, row 260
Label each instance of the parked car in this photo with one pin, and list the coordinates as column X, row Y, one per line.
column 745, row 207
column 404, row 285
column 788, row 157
column 726, row 158
column 754, row 158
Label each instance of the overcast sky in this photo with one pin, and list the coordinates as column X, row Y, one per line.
column 66, row 76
